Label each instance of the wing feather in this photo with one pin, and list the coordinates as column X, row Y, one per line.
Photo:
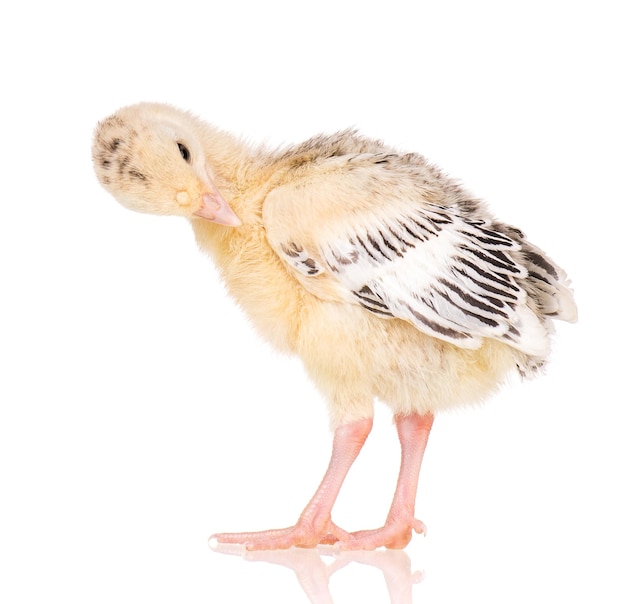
column 452, row 274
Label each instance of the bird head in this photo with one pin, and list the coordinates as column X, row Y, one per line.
column 151, row 158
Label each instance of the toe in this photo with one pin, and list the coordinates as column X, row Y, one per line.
column 394, row 535
column 301, row 535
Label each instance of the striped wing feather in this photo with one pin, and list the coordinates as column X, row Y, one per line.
column 451, row 278
column 451, row 273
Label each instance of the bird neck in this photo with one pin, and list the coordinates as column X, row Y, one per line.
column 254, row 277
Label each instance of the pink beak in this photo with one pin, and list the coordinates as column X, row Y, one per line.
column 216, row 209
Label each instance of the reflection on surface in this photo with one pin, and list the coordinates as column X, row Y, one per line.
column 313, row 573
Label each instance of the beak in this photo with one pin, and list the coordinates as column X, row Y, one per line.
column 216, row 209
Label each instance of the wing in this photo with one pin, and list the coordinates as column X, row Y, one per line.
column 441, row 268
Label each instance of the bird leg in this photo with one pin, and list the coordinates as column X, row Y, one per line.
column 413, row 431
column 314, row 525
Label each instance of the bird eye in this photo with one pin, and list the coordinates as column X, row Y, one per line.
column 184, row 152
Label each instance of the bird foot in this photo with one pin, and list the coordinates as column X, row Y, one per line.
column 302, row 534
column 395, row 534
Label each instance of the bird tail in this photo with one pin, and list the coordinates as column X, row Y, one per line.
column 547, row 284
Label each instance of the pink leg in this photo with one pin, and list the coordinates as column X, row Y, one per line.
column 413, row 431
column 314, row 525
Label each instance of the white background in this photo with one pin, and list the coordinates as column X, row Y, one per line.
column 139, row 413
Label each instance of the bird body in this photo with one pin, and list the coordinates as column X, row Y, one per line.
column 384, row 276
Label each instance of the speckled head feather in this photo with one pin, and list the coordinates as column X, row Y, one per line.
column 151, row 159
column 132, row 157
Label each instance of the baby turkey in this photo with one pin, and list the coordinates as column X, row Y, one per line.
column 385, row 277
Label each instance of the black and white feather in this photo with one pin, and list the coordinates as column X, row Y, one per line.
column 452, row 277
column 299, row 259
column 392, row 234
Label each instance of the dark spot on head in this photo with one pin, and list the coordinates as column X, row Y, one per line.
column 114, row 144
column 123, row 163
column 114, row 120
column 137, row 175
column 105, row 163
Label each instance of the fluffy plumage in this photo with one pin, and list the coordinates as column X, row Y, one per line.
column 387, row 278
